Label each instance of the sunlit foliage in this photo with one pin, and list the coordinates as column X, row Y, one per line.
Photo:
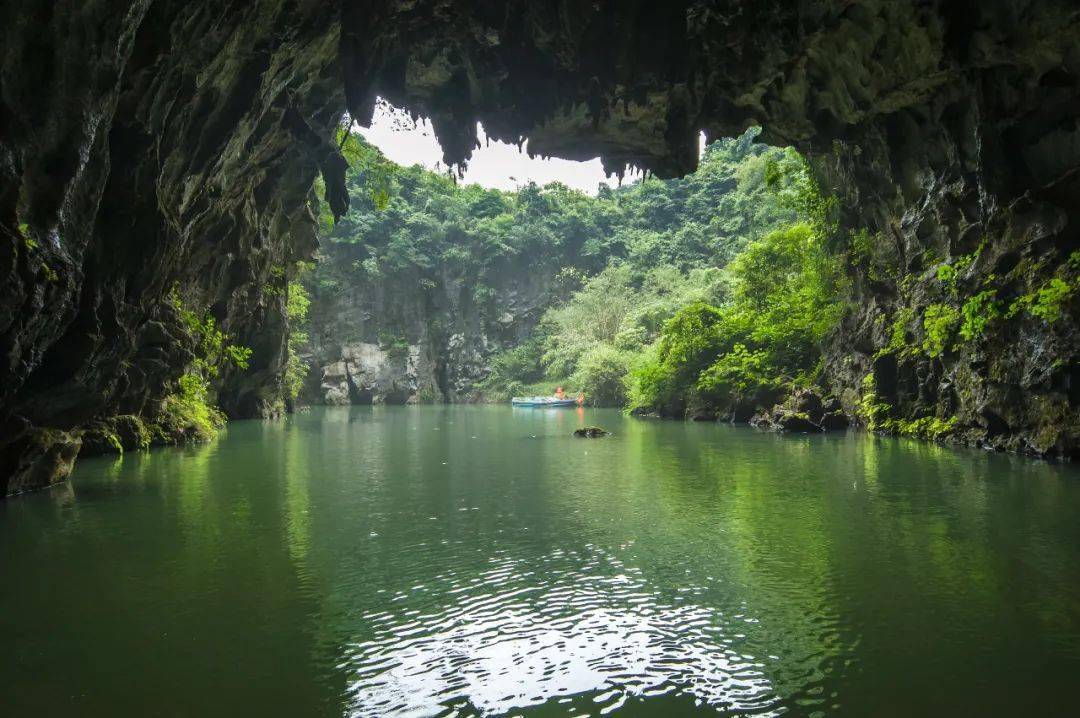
column 622, row 265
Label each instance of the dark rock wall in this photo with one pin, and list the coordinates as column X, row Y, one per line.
column 150, row 144
column 145, row 146
column 974, row 165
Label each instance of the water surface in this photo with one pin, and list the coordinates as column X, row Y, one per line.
column 480, row 561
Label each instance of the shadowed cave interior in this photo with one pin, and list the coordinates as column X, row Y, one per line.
column 161, row 156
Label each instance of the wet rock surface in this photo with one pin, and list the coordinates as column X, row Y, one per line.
column 174, row 147
column 37, row 457
column 115, row 435
column 590, row 432
column 805, row 411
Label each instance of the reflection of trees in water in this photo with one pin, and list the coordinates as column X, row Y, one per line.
column 803, row 566
column 841, row 547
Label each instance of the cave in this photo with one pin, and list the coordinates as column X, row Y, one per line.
column 162, row 153
column 852, row 490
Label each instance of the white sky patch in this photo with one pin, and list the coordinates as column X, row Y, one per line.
column 496, row 164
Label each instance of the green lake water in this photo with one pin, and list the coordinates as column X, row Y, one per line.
column 479, row 560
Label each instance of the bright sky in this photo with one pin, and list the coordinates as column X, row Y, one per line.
column 498, row 165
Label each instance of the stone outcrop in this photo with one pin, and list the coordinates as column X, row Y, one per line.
column 366, row 374
column 147, row 146
column 427, row 335
column 115, row 435
column 37, row 457
column 805, row 411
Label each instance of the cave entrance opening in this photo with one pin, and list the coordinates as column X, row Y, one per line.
column 448, row 289
column 407, row 139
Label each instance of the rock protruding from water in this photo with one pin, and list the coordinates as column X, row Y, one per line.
column 590, row 432
column 805, row 411
column 39, row 457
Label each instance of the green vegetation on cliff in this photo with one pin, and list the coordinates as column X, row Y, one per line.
column 613, row 268
column 765, row 337
column 712, row 295
column 189, row 412
column 411, row 221
column 592, row 341
column 668, row 329
column 417, row 227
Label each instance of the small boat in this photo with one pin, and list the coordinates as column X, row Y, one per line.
column 543, row 401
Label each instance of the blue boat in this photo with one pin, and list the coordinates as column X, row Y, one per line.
column 542, row 401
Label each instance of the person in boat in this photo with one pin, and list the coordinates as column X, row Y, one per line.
column 559, row 393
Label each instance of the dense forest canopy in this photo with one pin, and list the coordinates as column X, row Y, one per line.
column 629, row 271
column 408, row 219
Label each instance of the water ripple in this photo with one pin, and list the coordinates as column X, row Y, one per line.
column 514, row 639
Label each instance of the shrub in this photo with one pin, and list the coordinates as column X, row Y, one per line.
column 872, row 409
column 514, row 368
column 928, row 427
column 1047, row 302
column 898, row 342
column 939, row 322
column 950, row 274
column 297, row 304
column 946, row 274
column 187, row 414
column 602, row 374
column 212, row 350
column 784, row 303
column 740, row 374
column 978, row 312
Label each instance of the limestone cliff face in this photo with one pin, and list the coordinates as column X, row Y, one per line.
column 152, row 145
column 367, row 374
column 420, row 339
column 969, row 196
